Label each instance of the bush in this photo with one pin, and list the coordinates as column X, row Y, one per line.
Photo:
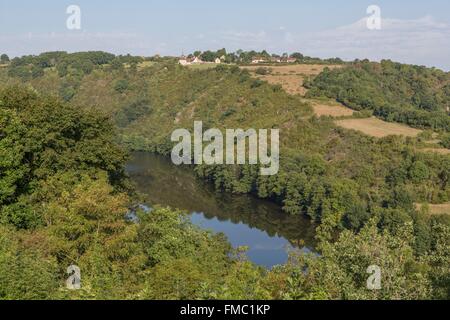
column 4, row 58
column 263, row 71
column 445, row 142
column 121, row 86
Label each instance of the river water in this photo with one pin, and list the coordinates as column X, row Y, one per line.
column 262, row 226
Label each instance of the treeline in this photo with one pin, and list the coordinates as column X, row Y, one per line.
column 415, row 95
column 65, row 201
column 31, row 67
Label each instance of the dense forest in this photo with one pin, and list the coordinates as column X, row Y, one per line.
column 68, row 121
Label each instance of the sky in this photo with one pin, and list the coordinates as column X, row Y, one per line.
column 416, row 32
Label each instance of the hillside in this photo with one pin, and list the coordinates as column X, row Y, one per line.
column 148, row 103
column 414, row 95
column 64, row 194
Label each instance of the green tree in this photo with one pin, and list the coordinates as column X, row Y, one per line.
column 341, row 271
column 25, row 273
column 4, row 58
column 121, row 85
column 13, row 168
column 116, row 64
column 419, row 172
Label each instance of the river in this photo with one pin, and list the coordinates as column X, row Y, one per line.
column 261, row 225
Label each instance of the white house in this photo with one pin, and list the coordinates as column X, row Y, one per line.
column 196, row 60
column 183, row 61
column 188, row 61
column 289, row 60
column 257, row 60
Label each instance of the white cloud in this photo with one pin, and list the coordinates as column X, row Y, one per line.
column 249, row 38
column 421, row 41
column 32, row 43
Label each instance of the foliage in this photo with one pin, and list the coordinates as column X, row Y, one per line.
column 56, row 138
column 121, row 85
column 446, row 141
column 63, row 192
column 414, row 95
column 4, row 58
column 341, row 271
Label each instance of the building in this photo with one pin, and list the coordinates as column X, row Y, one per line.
column 288, row 60
column 183, row 61
column 196, row 60
column 190, row 60
column 257, row 60
column 275, row 59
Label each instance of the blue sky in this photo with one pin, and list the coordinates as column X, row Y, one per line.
column 412, row 31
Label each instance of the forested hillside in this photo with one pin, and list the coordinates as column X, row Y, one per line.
column 417, row 96
column 64, row 196
column 64, row 200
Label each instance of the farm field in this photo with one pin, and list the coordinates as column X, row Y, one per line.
column 378, row 128
column 290, row 77
column 330, row 108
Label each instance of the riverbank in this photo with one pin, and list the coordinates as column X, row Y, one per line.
column 260, row 225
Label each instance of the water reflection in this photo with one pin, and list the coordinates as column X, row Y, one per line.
column 245, row 220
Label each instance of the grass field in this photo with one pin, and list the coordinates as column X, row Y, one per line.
column 437, row 209
column 378, row 128
column 204, row 66
column 305, row 69
column 330, row 108
column 290, row 77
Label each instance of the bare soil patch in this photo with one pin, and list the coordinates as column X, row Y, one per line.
column 331, row 109
column 378, row 128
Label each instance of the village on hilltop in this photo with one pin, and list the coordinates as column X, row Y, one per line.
column 256, row 59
